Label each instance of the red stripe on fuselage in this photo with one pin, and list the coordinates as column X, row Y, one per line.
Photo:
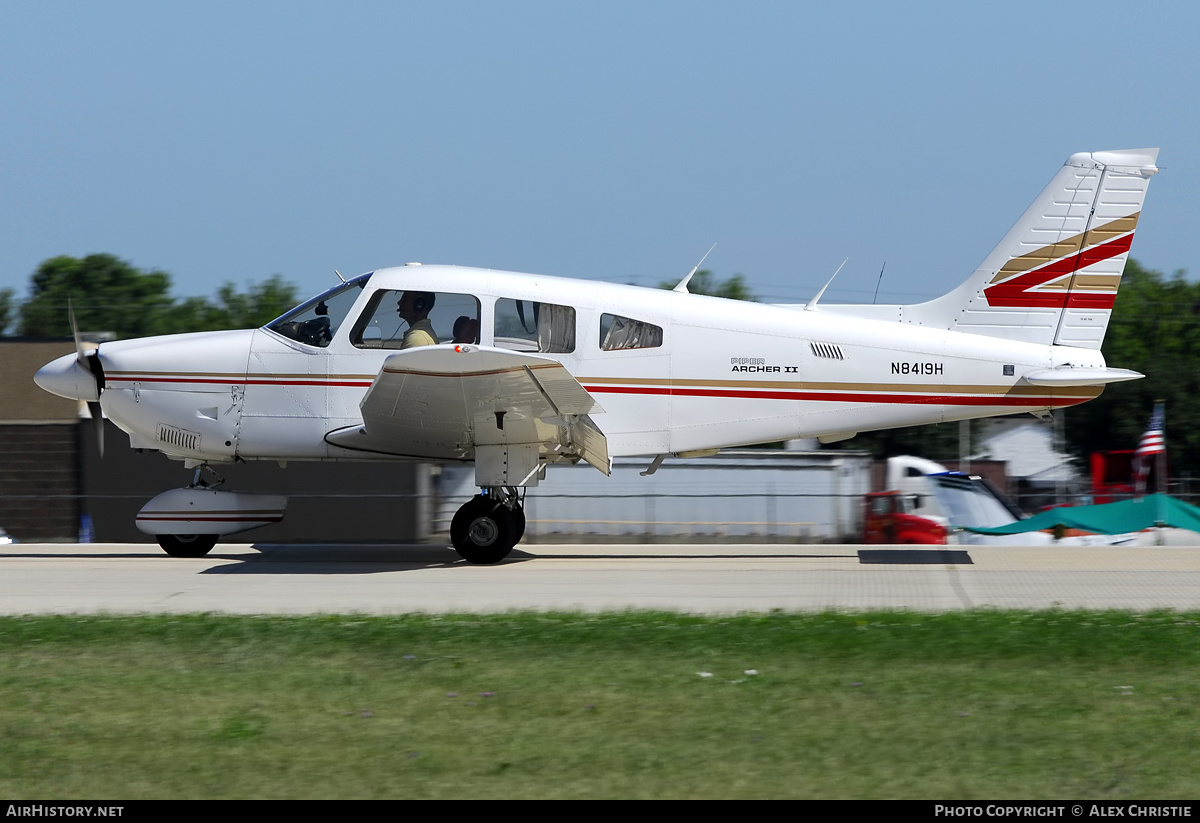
column 210, row 519
column 247, row 382
column 848, row 397
column 744, row 394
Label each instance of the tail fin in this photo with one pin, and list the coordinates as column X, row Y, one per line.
column 1054, row 276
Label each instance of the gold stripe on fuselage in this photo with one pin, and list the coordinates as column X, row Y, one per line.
column 922, row 388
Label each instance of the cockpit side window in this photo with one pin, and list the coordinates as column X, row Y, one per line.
column 526, row 325
column 404, row 318
column 618, row 332
column 316, row 322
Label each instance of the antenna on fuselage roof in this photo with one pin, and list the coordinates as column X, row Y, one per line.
column 811, row 305
column 339, row 274
column 877, row 282
column 682, row 286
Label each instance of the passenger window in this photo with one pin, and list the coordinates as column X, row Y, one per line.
column 422, row 318
column 618, row 332
column 525, row 325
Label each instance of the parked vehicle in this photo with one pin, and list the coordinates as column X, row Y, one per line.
column 1113, row 476
column 924, row 503
column 888, row 518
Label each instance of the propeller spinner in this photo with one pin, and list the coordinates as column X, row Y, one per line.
column 78, row 376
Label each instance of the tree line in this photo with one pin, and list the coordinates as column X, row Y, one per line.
column 109, row 294
column 1154, row 329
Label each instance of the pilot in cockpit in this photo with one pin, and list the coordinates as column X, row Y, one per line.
column 413, row 308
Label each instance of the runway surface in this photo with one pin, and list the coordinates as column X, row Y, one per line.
column 711, row 579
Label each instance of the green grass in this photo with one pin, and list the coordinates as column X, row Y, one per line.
column 954, row 706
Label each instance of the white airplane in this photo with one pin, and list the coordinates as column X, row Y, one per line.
column 519, row 371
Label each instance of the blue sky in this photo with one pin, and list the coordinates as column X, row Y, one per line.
column 232, row 141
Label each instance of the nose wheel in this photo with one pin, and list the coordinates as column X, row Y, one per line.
column 487, row 527
column 187, row 545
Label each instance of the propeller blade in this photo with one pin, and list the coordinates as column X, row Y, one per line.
column 97, row 424
column 81, row 357
column 80, row 354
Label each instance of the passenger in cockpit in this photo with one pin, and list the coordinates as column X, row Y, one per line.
column 466, row 330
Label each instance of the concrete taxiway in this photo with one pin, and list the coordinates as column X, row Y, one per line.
column 712, row 579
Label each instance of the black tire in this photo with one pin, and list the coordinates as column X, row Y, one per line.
column 187, row 545
column 482, row 531
column 518, row 524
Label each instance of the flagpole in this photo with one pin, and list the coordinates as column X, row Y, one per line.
column 1153, row 444
column 1160, row 464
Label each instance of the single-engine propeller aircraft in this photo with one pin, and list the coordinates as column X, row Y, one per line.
column 516, row 372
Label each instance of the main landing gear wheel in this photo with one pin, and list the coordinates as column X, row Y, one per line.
column 187, row 545
column 518, row 527
column 484, row 530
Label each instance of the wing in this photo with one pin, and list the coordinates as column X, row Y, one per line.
column 508, row 411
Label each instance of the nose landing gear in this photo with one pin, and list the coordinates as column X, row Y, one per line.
column 187, row 522
column 192, row 545
column 488, row 525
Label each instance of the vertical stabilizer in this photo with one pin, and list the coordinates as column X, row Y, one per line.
column 1054, row 276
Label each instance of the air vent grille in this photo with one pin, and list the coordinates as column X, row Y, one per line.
column 833, row 352
column 179, row 438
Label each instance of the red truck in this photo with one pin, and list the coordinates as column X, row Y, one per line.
column 888, row 518
column 1113, row 476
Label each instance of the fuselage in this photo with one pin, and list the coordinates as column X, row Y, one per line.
column 674, row 372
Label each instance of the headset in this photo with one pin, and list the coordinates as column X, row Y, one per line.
column 423, row 301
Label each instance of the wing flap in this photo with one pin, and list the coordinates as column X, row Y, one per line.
column 593, row 445
column 441, row 402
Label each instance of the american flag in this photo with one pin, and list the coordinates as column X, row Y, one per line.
column 1152, row 443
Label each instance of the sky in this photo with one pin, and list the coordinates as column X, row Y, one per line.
column 612, row 140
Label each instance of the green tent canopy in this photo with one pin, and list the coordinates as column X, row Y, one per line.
column 1108, row 518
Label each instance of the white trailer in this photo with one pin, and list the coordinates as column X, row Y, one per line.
column 747, row 495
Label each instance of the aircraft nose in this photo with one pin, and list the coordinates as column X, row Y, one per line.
column 67, row 377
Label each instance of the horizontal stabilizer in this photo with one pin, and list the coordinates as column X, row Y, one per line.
column 1068, row 376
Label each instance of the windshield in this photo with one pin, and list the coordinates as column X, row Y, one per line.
column 316, row 322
